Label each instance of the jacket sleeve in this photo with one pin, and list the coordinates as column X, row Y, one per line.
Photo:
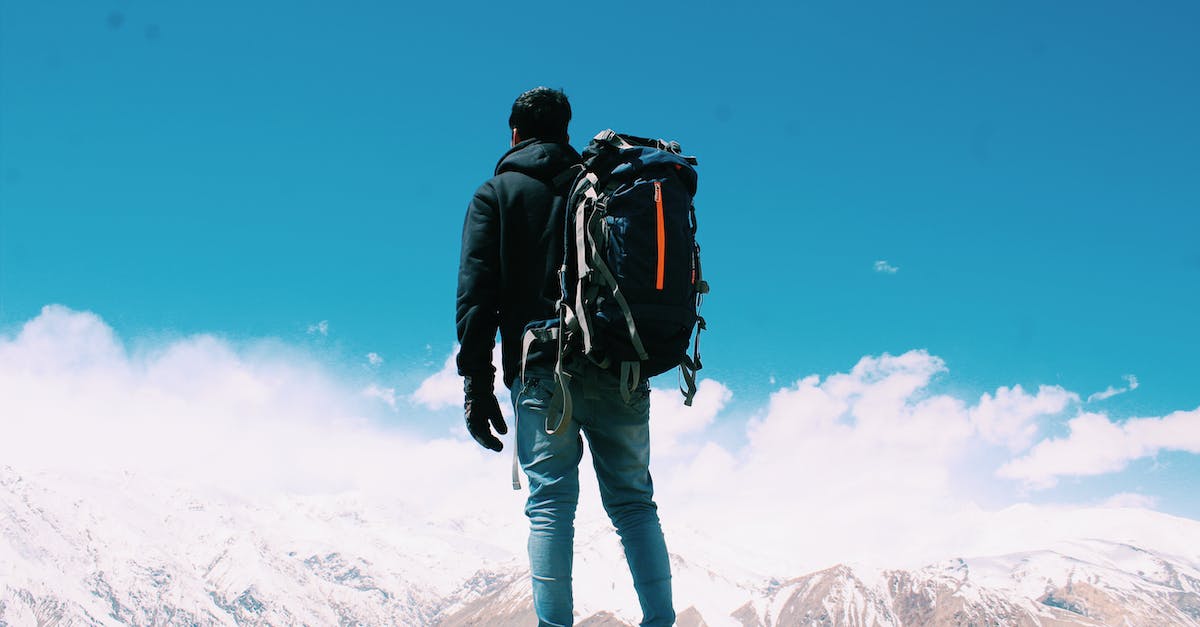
column 478, row 302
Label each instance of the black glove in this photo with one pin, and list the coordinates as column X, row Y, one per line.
column 482, row 408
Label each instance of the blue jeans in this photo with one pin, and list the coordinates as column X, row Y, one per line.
column 618, row 433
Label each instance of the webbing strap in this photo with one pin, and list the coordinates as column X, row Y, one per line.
column 527, row 340
column 634, row 338
column 582, row 319
column 687, row 371
column 690, row 365
column 612, row 138
column 516, row 468
column 563, row 379
column 582, row 269
column 589, row 260
column 536, row 335
column 631, row 376
column 607, row 278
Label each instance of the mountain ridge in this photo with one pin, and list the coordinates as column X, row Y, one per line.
column 129, row 551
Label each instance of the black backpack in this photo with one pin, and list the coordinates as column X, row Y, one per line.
column 631, row 280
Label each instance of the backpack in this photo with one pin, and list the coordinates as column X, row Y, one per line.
column 630, row 280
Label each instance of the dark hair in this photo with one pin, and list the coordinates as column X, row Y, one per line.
column 541, row 113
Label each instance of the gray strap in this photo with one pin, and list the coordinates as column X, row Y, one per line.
column 560, row 377
column 571, row 323
column 563, row 379
column 606, row 277
column 582, row 319
column 526, row 342
column 535, row 335
column 612, row 138
column 687, row 370
column 634, row 338
column 631, row 376
column 690, row 365
column 589, row 260
column 516, row 469
column 582, row 270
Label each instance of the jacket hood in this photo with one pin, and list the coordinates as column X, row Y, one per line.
column 538, row 158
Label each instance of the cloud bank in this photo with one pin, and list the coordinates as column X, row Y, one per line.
column 1098, row 445
column 255, row 418
column 863, row 465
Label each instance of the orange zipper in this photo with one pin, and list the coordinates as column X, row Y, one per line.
column 662, row 235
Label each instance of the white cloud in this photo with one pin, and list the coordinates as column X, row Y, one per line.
column 1109, row 392
column 831, row 460
column 1097, row 445
column 1130, row 500
column 1009, row 417
column 61, row 340
column 444, row 388
column 201, row 411
column 865, row 466
column 861, row 466
column 321, row 328
column 883, row 267
column 672, row 423
column 387, row 395
column 374, row 359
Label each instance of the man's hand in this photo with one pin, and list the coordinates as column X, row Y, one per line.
column 482, row 409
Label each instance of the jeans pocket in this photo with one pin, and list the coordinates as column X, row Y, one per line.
column 639, row 398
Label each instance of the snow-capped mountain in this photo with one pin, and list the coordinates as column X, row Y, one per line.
column 1091, row 582
column 127, row 549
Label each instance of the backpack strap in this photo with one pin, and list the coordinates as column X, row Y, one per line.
column 687, row 372
column 607, row 278
column 612, row 138
column 631, row 376
column 561, row 377
column 527, row 340
column 590, row 263
column 582, row 269
column 690, row 365
column 516, row 467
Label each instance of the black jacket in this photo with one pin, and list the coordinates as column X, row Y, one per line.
column 512, row 247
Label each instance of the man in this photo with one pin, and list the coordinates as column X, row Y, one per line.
column 508, row 276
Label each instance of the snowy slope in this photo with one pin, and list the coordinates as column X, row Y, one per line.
column 126, row 549
column 1092, row 582
column 148, row 554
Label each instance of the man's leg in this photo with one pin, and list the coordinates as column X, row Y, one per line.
column 619, row 437
column 551, row 464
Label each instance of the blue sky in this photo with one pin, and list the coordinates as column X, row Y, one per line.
column 1028, row 171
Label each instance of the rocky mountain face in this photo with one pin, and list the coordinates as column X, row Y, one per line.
column 1087, row 585
column 129, row 551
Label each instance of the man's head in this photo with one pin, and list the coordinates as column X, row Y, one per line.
column 541, row 113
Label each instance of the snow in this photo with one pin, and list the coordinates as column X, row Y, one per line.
column 124, row 547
